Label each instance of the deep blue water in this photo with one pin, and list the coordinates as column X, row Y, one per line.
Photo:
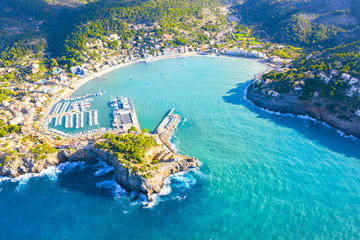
column 264, row 176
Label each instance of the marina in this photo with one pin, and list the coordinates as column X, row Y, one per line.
column 74, row 108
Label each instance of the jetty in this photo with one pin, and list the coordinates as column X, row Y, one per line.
column 167, row 126
column 93, row 118
column 71, row 125
column 58, row 120
column 67, row 121
column 82, row 119
column 77, row 124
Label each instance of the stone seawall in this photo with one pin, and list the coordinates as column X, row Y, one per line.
column 349, row 124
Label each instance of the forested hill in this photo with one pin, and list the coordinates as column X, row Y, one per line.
column 99, row 19
column 306, row 22
column 61, row 27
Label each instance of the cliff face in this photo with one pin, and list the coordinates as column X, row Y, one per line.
column 348, row 124
column 129, row 180
column 22, row 166
column 149, row 186
column 132, row 181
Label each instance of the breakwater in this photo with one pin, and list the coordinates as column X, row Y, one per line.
column 167, row 125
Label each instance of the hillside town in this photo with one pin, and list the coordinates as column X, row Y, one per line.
column 351, row 84
column 30, row 91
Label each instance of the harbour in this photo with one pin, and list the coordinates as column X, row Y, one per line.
column 260, row 165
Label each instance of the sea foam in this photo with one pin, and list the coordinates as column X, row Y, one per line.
column 50, row 172
column 112, row 185
column 181, row 180
column 103, row 168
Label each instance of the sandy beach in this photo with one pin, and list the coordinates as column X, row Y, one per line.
column 75, row 85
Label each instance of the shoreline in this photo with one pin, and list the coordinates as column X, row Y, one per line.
column 77, row 84
column 300, row 116
column 80, row 82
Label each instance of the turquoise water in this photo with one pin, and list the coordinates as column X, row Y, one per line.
column 263, row 176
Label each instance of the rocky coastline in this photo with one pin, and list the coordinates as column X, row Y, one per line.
column 132, row 181
column 129, row 180
column 340, row 118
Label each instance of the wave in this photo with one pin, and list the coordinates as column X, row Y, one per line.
column 103, row 168
column 112, row 185
column 197, row 172
column 72, row 166
column 181, row 180
column 3, row 178
column 174, row 145
column 305, row 117
column 50, row 172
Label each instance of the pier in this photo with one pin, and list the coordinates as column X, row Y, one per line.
column 77, row 124
column 64, row 107
column 167, row 125
column 93, row 118
column 82, row 119
column 71, row 125
column 67, row 121
column 58, row 120
column 57, row 108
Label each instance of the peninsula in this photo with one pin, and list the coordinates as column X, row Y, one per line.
column 141, row 160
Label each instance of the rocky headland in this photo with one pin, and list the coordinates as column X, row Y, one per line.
column 159, row 161
column 135, row 181
column 333, row 114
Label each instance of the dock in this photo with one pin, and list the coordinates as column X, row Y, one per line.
column 57, row 108
column 93, row 118
column 58, row 120
column 124, row 114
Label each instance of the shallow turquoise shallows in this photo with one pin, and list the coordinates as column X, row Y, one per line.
column 264, row 176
